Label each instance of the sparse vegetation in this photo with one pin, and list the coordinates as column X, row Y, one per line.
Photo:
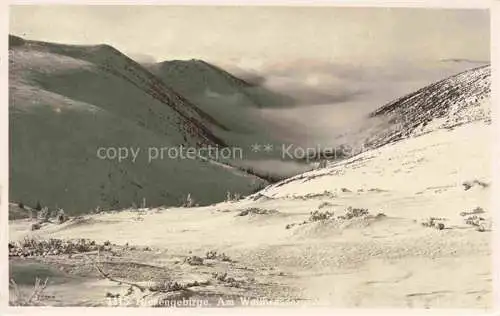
column 189, row 201
column 322, row 164
column 61, row 217
column 469, row 184
column 256, row 211
column 316, row 216
column 212, row 254
column 380, row 215
column 232, row 197
column 44, row 215
column 481, row 228
column 288, row 226
column 30, row 247
column 434, row 222
column 194, row 260
column 471, row 218
column 166, row 286
column 97, row 210
column 477, row 210
column 258, row 188
column 354, row 212
column 323, row 216
column 476, row 221
column 230, row 281
column 324, row 204
column 36, row 226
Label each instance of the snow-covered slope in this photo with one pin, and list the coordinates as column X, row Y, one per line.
column 414, row 146
column 297, row 239
column 456, row 100
column 66, row 102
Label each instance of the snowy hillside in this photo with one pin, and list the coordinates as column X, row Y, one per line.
column 415, row 132
column 407, row 224
column 460, row 99
column 66, row 102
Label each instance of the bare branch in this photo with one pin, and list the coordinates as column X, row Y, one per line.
column 109, row 277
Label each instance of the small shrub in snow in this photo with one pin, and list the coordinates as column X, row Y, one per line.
column 36, row 226
column 189, row 202
column 33, row 247
column 478, row 222
column 429, row 222
column 355, row 212
column 212, row 254
column 477, row 210
column 434, row 222
column 224, row 257
column 469, row 184
column 380, row 215
column 232, row 197
column 166, row 286
column 44, row 215
column 324, row 204
column 322, row 164
column 481, row 228
column 316, row 216
column 256, row 211
column 194, row 260
column 61, row 217
column 222, row 277
column 439, row 226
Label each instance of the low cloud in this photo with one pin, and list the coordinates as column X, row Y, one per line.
column 332, row 98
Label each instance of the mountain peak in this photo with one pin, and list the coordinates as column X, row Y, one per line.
column 15, row 41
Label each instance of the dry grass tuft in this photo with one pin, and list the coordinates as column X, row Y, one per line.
column 31, row 247
column 189, row 201
column 256, row 211
column 316, row 216
column 469, row 184
column 434, row 222
column 232, row 197
column 194, row 260
column 213, row 255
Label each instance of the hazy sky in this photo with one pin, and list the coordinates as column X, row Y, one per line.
column 251, row 36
